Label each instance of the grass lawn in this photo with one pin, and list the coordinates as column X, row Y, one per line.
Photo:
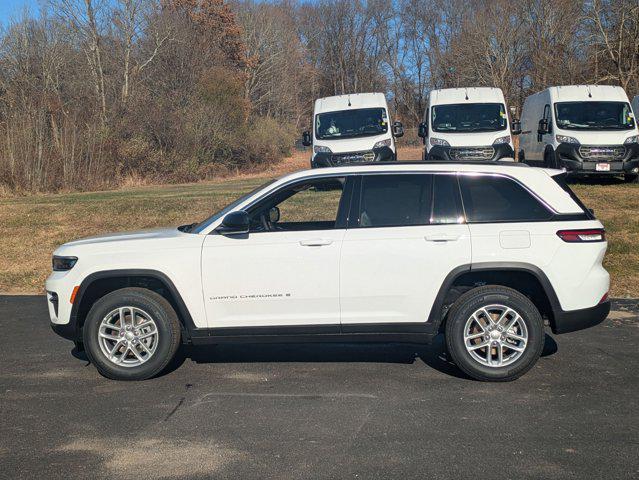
column 31, row 227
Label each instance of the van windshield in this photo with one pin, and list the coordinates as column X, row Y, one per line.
column 361, row 122
column 469, row 117
column 594, row 116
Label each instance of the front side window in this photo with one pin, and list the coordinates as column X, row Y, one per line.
column 491, row 199
column 594, row 116
column 469, row 117
column 395, row 200
column 311, row 205
column 361, row 122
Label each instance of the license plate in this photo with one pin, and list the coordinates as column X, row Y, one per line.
column 602, row 167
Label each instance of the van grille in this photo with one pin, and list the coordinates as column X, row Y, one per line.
column 355, row 157
column 609, row 153
column 472, row 153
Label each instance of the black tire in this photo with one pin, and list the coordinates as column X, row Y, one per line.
column 631, row 178
column 165, row 318
column 521, row 157
column 470, row 302
column 549, row 159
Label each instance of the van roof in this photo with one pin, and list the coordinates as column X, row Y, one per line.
column 470, row 94
column 577, row 93
column 356, row 100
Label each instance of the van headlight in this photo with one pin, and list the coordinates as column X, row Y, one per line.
column 63, row 264
column 566, row 139
column 502, row 140
column 439, row 142
column 321, row 149
column 633, row 139
column 382, row 143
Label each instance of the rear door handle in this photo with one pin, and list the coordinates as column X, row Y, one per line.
column 316, row 242
column 441, row 237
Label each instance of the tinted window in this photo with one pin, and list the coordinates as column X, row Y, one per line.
column 312, row 205
column 395, row 200
column 499, row 199
column 446, row 201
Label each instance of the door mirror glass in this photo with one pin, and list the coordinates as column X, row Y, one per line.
column 274, row 215
column 398, row 129
column 515, row 127
column 307, row 141
column 235, row 223
column 543, row 126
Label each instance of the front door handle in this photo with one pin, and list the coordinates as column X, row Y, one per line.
column 316, row 242
column 441, row 237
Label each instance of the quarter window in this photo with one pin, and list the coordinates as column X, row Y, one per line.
column 489, row 199
column 395, row 200
column 446, row 202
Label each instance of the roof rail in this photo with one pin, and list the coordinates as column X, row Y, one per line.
column 438, row 162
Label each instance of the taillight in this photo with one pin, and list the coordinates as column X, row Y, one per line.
column 583, row 236
column 604, row 298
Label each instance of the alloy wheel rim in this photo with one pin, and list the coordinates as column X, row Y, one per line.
column 495, row 335
column 128, row 336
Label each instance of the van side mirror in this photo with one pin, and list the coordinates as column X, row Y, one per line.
column 515, row 127
column 274, row 215
column 422, row 130
column 307, row 141
column 234, row 223
column 398, row 129
column 543, row 126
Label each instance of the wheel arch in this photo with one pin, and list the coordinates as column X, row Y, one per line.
column 526, row 278
column 101, row 283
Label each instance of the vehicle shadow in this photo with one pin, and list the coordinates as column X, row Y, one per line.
column 434, row 354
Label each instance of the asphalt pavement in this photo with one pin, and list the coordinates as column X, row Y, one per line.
column 337, row 411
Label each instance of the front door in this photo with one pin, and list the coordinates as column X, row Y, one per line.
column 409, row 234
column 285, row 272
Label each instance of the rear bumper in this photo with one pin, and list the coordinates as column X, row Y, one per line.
column 383, row 154
column 569, row 157
column 573, row 320
column 500, row 151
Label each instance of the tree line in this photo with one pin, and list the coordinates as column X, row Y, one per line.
column 94, row 93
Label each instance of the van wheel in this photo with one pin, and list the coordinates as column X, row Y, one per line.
column 549, row 160
column 131, row 334
column 521, row 157
column 631, row 178
column 494, row 333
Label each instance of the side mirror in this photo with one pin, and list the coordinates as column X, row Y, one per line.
column 543, row 126
column 398, row 129
column 307, row 141
column 422, row 130
column 515, row 127
column 235, row 223
column 274, row 215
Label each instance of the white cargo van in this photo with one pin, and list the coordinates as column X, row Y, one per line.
column 586, row 129
column 467, row 124
column 352, row 128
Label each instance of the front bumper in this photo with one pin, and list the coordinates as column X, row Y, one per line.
column 573, row 320
column 490, row 153
column 383, row 154
column 580, row 160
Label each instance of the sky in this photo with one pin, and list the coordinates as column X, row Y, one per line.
column 13, row 8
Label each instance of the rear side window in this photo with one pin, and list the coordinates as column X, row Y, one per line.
column 446, row 202
column 489, row 199
column 395, row 200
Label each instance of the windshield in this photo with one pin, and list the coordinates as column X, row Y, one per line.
column 362, row 122
column 205, row 223
column 469, row 117
column 594, row 116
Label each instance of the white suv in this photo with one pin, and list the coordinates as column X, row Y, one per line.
column 485, row 253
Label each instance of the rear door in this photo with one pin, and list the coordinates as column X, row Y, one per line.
column 406, row 233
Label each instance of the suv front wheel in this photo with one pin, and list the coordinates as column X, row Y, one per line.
column 131, row 334
column 494, row 333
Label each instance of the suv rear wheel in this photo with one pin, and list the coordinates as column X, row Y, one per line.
column 131, row 334
column 494, row 333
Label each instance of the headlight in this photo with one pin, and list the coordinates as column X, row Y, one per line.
column 383, row 143
column 62, row 264
column 566, row 139
column 438, row 142
column 322, row 149
column 633, row 139
column 502, row 140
